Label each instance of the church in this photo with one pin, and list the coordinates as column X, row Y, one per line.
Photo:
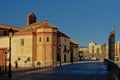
column 38, row 44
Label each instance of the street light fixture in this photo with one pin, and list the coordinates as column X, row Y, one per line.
column 60, row 55
column 10, row 35
column 71, row 55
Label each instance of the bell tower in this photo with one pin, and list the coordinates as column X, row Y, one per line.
column 31, row 18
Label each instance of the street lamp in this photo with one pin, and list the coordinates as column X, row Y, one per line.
column 71, row 55
column 60, row 55
column 10, row 35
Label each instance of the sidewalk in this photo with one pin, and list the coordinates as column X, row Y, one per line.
column 85, row 70
column 24, row 69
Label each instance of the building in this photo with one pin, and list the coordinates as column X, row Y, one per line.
column 37, row 44
column 94, row 51
column 74, row 50
column 111, row 41
column 64, row 47
column 104, row 51
column 117, row 51
column 83, row 53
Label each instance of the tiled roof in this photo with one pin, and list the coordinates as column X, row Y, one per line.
column 73, row 42
column 62, row 34
column 40, row 24
column 30, row 27
column 2, row 26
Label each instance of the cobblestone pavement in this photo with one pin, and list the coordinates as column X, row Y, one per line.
column 77, row 71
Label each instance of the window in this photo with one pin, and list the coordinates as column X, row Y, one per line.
column 65, row 48
column 22, row 42
column 47, row 39
column 40, row 39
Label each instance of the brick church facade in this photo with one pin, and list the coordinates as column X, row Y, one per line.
column 36, row 44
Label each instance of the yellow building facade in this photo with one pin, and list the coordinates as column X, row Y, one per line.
column 36, row 44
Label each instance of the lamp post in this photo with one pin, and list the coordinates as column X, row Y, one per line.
column 10, row 35
column 71, row 55
column 60, row 55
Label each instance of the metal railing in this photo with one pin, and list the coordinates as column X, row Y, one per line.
column 113, row 68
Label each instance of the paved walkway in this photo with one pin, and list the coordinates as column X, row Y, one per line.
column 77, row 71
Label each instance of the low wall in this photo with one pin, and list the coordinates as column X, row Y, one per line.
column 113, row 68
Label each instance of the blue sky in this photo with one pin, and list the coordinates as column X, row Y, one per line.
column 83, row 20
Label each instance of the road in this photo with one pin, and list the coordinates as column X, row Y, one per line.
column 77, row 71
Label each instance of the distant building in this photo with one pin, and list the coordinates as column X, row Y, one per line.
column 83, row 53
column 104, row 51
column 94, row 51
column 117, row 51
column 111, row 41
